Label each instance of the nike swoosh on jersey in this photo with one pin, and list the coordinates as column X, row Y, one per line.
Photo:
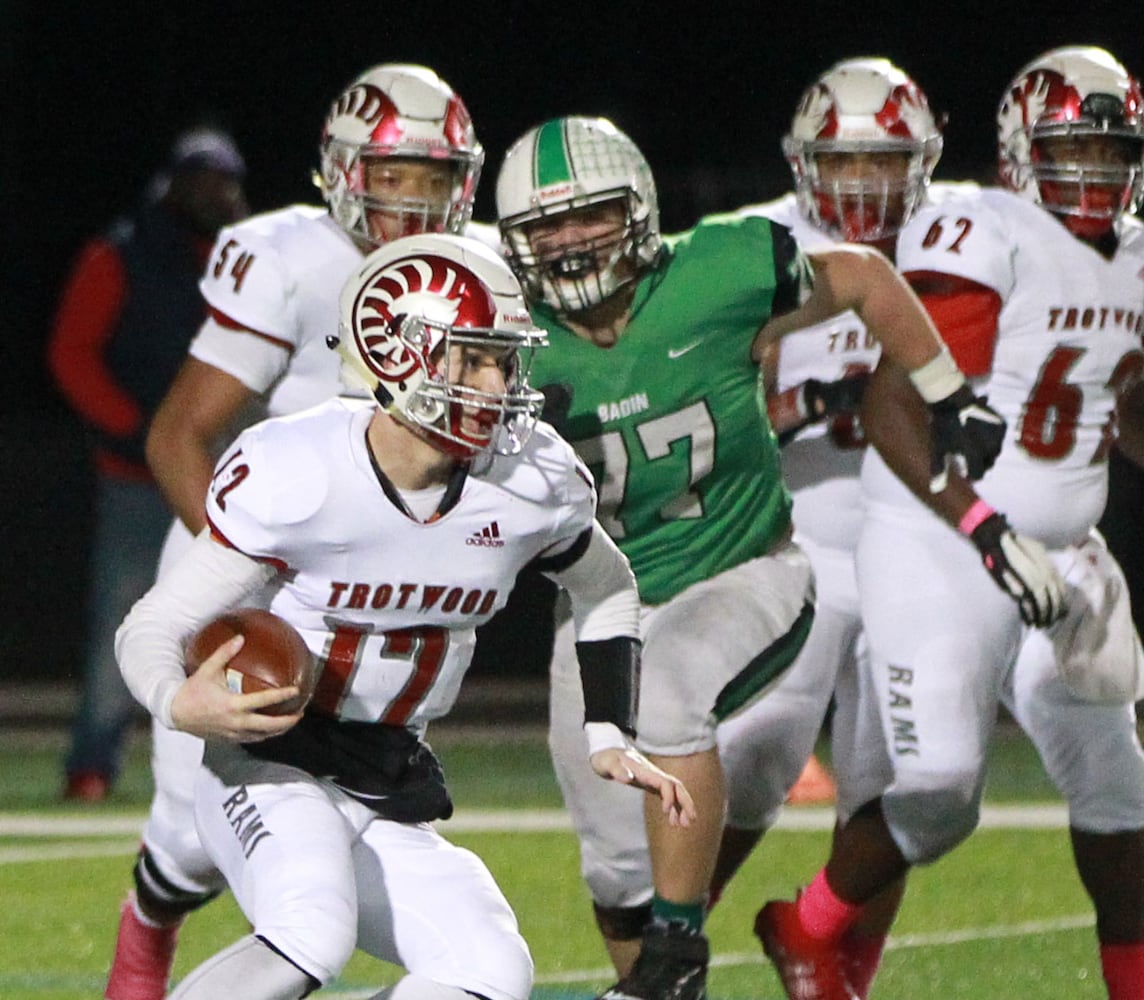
column 678, row 352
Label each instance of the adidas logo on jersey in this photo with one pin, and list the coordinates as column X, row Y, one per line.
column 488, row 536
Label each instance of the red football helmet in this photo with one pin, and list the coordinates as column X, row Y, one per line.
column 412, row 305
column 862, row 147
column 399, row 113
column 1070, row 136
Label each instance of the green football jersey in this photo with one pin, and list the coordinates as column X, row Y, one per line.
column 672, row 419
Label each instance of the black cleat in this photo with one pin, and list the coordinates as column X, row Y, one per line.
column 672, row 965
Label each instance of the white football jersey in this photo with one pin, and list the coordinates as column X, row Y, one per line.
column 388, row 603
column 821, row 464
column 1068, row 341
column 280, row 274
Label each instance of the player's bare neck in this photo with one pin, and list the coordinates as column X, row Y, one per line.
column 408, row 460
column 605, row 323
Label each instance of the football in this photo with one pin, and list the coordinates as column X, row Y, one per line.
column 273, row 656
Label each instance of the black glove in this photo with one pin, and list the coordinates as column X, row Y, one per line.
column 965, row 434
column 820, row 401
column 557, row 403
column 1022, row 569
column 825, row 399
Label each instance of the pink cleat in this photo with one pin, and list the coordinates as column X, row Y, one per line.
column 810, row 969
column 143, row 957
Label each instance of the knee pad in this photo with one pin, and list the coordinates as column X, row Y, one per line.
column 622, row 923
column 265, row 974
column 615, row 864
column 158, row 896
column 929, row 824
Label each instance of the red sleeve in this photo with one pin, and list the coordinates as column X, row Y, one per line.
column 88, row 312
column 965, row 314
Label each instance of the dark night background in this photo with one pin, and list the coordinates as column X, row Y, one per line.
column 93, row 93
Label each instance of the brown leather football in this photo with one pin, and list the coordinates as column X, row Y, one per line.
column 273, row 656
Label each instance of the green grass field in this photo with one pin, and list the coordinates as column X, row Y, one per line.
column 1003, row 916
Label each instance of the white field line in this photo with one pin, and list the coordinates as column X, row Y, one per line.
column 1029, row 928
column 969, row 934
column 32, row 825
column 1017, row 817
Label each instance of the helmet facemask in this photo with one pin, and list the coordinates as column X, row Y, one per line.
column 464, row 420
column 1088, row 176
column 373, row 219
column 866, row 200
column 572, row 277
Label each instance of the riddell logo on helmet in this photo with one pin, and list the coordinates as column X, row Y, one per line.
column 429, row 141
column 552, row 193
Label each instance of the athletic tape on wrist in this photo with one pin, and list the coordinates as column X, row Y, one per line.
column 939, row 378
column 604, row 736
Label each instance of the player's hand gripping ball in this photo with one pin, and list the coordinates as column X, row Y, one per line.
column 274, row 655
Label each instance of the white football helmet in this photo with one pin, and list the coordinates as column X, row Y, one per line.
column 409, row 304
column 862, row 106
column 1075, row 92
column 568, row 164
column 404, row 111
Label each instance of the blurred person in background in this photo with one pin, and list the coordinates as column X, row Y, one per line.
column 127, row 312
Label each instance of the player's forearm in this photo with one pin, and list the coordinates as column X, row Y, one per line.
column 896, row 423
column 197, row 415
column 182, row 465
column 606, row 609
column 208, row 580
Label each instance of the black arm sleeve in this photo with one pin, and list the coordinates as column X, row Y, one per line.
column 610, row 675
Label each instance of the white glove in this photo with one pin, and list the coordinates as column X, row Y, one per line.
column 1022, row 569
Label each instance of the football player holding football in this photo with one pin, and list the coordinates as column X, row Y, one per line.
column 358, row 517
column 398, row 156
column 655, row 345
column 1037, row 286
